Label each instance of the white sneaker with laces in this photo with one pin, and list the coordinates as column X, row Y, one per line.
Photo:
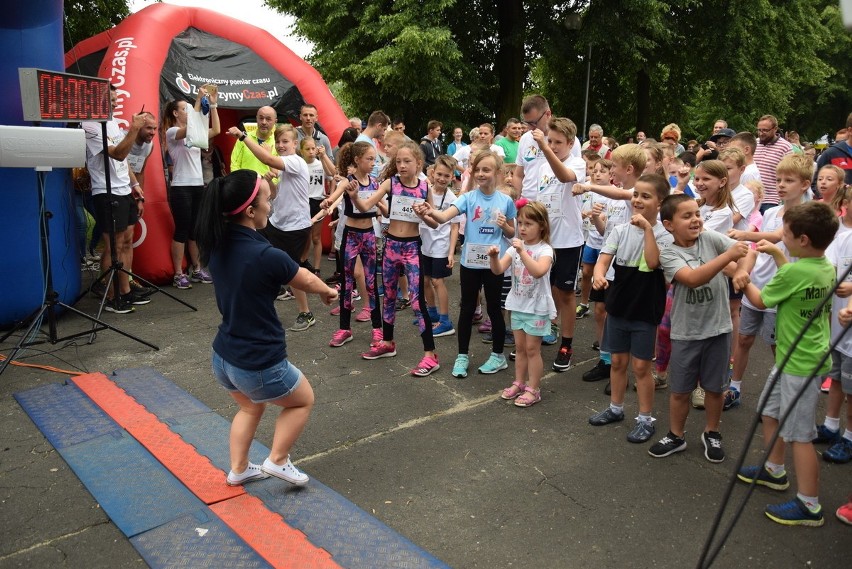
column 253, row 472
column 286, row 472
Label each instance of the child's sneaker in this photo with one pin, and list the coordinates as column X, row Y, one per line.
column 794, row 513
column 364, row 315
column 485, row 327
column 510, row 339
column 563, row 359
column 732, row 398
column 460, row 366
column 303, row 321
column 697, row 398
column 641, row 432
column 443, row 328
column 713, row 446
column 488, row 337
column 335, row 311
column 761, row 476
column 380, row 350
column 582, row 311
column 605, row 417
column 253, row 472
column 552, row 337
column 402, row 303
column 181, row 282
column 340, row 337
column 844, row 512
column 376, row 337
column 839, row 453
column 285, row 471
column 826, row 436
column 477, row 314
column 826, row 385
column 661, row 379
column 599, row 372
column 668, row 445
column 287, row 294
column 202, row 275
column 493, row 364
column 426, row 366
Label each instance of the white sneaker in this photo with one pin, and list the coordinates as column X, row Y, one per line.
column 286, row 472
column 253, row 472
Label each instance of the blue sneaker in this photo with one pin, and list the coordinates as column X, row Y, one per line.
column 826, row 436
column 840, row 452
column 494, row 364
column 551, row 338
column 732, row 398
column 444, row 328
column 763, row 477
column 794, row 513
column 460, row 367
column 510, row 339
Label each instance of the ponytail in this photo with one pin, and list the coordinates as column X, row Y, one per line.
column 225, row 199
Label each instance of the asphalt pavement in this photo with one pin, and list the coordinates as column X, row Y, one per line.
column 468, row 477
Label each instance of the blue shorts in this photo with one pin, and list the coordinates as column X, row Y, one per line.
column 532, row 324
column 590, row 256
column 629, row 336
column 261, row 386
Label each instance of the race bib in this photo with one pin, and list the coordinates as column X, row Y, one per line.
column 552, row 202
column 476, row 256
column 402, row 209
column 364, row 195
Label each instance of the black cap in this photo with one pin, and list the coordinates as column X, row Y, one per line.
column 729, row 132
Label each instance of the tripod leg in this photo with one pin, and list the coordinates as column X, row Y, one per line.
column 103, row 325
column 22, row 342
column 149, row 283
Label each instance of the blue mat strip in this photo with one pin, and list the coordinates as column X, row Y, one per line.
column 354, row 538
column 144, row 500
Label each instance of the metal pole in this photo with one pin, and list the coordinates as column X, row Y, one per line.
column 588, row 78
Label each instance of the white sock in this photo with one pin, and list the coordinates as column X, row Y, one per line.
column 644, row 417
column 736, row 385
column 812, row 502
column 832, row 423
column 617, row 409
column 775, row 469
column 847, row 435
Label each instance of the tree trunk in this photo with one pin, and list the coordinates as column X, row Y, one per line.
column 643, row 102
column 510, row 60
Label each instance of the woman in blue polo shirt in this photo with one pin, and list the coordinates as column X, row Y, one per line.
column 250, row 351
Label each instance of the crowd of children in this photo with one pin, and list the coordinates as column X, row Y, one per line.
column 683, row 270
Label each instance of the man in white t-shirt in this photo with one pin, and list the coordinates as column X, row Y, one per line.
column 536, row 114
column 122, row 211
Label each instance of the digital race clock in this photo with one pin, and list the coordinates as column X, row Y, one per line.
column 51, row 96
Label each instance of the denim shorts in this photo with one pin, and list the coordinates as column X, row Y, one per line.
column 261, row 386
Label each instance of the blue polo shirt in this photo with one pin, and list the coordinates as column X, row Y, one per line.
column 247, row 276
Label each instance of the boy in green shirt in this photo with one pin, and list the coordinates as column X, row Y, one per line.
column 797, row 289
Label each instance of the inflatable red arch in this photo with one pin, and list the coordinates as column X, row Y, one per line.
column 164, row 52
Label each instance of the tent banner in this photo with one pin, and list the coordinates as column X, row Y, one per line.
column 244, row 79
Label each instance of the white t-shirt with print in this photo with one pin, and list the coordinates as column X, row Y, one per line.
column 563, row 208
column 531, row 295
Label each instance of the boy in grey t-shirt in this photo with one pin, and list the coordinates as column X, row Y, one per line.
column 701, row 320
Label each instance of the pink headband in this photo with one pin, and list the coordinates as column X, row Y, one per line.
column 248, row 201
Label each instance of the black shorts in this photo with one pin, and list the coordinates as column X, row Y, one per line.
column 315, row 206
column 291, row 242
column 563, row 274
column 124, row 212
column 434, row 267
column 732, row 294
column 599, row 295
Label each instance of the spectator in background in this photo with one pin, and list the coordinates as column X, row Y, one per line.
column 793, row 138
column 355, row 123
column 431, row 143
column 719, row 125
column 671, row 134
column 509, row 143
column 308, row 116
column 595, row 142
column 640, row 137
column 839, row 154
column 771, row 148
column 399, row 126
column 457, row 142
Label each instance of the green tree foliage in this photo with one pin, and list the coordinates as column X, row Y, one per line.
column 86, row 18
column 652, row 61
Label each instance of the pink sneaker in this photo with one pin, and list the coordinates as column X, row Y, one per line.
column 826, row 385
column 335, row 311
column 380, row 350
column 363, row 315
column 485, row 327
column 426, row 366
column 477, row 315
column 340, row 337
column 377, row 337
